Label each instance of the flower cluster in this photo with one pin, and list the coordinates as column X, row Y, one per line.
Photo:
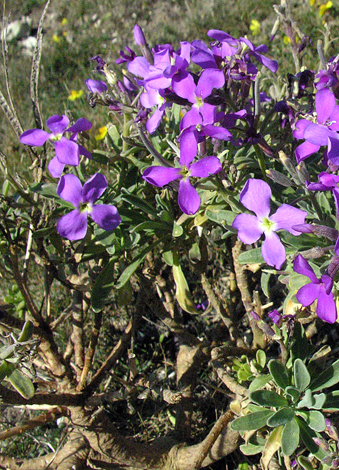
column 67, row 152
column 217, row 89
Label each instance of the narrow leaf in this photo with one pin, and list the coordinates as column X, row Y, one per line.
column 252, row 421
column 279, row 373
column 272, row 445
column 127, row 273
column 314, row 419
column 307, row 436
column 329, row 377
column 22, row 384
column 290, row 437
column 268, row 398
column 280, row 417
column 301, row 375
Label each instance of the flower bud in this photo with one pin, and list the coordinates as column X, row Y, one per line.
column 279, row 178
column 139, row 36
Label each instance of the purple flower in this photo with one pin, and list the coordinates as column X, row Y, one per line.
column 256, row 196
column 74, row 224
column 196, row 94
column 67, row 151
column 322, row 133
column 188, row 198
column 96, row 86
column 320, row 289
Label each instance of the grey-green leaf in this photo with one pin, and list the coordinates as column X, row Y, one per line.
column 280, row 417
column 268, row 398
column 279, row 373
column 326, row 379
column 293, row 393
column 307, row 435
column 259, row 382
column 307, row 401
column 251, row 257
column 314, row 419
column 290, row 437
column 252, row 421
column 332, row 401
column 302, row 377
column 22, row 384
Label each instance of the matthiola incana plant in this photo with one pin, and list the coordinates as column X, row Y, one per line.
column 209, row 177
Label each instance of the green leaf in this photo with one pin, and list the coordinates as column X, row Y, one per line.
column 127, row 273
column 273, row 444
column 46, row 190
column 300, row 346
column 326, row 379
column 290, row 437
column 183, row 294
column 264, row 281
column 280, row 417
column 152, row 225
column 220, row 216
column 103, row 286
column 268, row 398
column 293, row 393
column 307, row 400
column 254, row 446
column 252, row 421
column 305, row 463
column 22, row 384
column 332, row 401
column 261, row 358
column 6, row 369
column 26, row 332
column 138, row 202
column 302, row 377
column 314, row 419
column 318, row 401
column 177, row 230
column 259, row 382
column 307, row 435
column 251, row 257
column 279, row 373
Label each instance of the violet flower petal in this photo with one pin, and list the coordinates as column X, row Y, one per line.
column 326, row 308
column 304, row 150
column 324, row 104
column 94, row 188
column 57, row 124
column 317, row 134
column 205, row 167
column 67, row 151
column 70, row 189
column 81, row 125
column 209, row 79
column 84, row 152
column 249, row 228
column 307, row 294
column 188, row 147
column 55, row 167
column 333, row 150
column 256, row 196
column 300, row 127
column 96, row 86
column 34, row 137
column 160, row 176
column 286, row 216
column 273, row 250
column 188, row 198
column 106, row 216
column 73, row 225
column 301, row 266
column 154, row 121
